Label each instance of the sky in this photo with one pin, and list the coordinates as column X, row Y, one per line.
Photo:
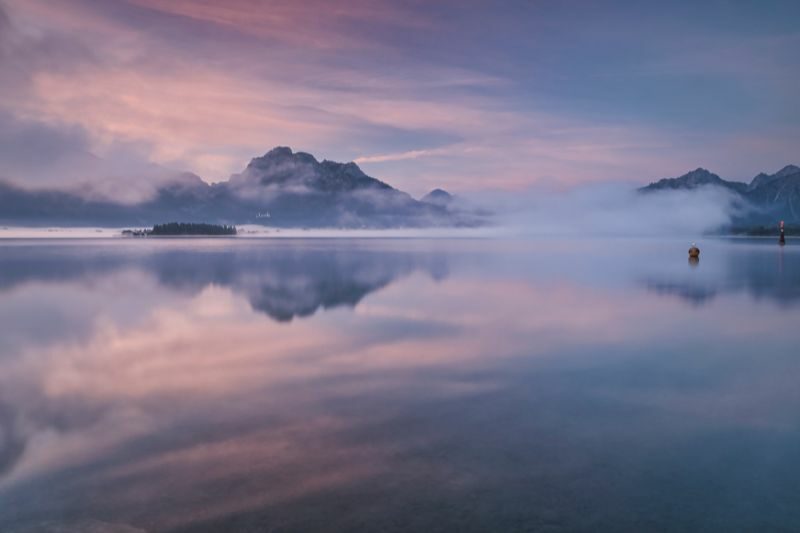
column 465, row 95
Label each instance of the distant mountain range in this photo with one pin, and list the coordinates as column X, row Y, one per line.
column 292, row 189
column 767, row 199
column 281, row 188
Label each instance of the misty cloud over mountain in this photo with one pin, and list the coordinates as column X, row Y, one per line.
column 766, row 199
column 281, row 188
column 696, row 203
column 293, row 189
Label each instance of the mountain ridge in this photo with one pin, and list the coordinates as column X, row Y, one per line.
column 769, row 197
column 281, row 188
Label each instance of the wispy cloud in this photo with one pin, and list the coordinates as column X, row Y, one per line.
column 421, row 95
column 402, row 156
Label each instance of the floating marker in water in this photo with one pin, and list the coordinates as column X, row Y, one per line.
column 694, row 251
column 782, row 239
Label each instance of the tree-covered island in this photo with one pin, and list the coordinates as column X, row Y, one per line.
column 172, row 229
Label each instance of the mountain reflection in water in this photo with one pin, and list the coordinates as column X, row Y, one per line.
column 282, row 281
column 395, row 385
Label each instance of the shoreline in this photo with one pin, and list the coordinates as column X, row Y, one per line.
column 9, row 233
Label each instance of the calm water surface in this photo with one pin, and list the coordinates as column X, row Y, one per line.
column 399, row 385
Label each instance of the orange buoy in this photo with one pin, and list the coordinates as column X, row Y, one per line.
column 694, row 251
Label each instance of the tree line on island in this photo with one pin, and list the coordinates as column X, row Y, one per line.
column 183, row 228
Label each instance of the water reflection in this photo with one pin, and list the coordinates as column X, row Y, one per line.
column 283, row 282
column 463, row 386
column 755, row 267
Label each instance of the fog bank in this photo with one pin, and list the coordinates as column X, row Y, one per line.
column 613, row 209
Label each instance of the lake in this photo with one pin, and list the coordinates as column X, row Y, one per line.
column 399, row 385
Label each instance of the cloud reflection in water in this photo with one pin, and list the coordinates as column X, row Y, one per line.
column 197, row 386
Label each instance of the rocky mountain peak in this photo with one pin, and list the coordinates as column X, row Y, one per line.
column 763, row 178
column 691, row 180
column 788, row 170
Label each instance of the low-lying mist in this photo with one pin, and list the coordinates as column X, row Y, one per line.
column 612, row 209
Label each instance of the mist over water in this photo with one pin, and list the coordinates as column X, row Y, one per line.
column 601, row 210
column 395, row 384
column 610, row 209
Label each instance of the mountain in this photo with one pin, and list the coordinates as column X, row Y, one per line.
column 778, row 196
column 438, row 197
column 281, row 188
column 765, row 200
column 294, row 189
column 699, row 177
column 282, row 168
column 763, row 179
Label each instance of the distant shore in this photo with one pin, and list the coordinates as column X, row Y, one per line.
column 249, row 232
